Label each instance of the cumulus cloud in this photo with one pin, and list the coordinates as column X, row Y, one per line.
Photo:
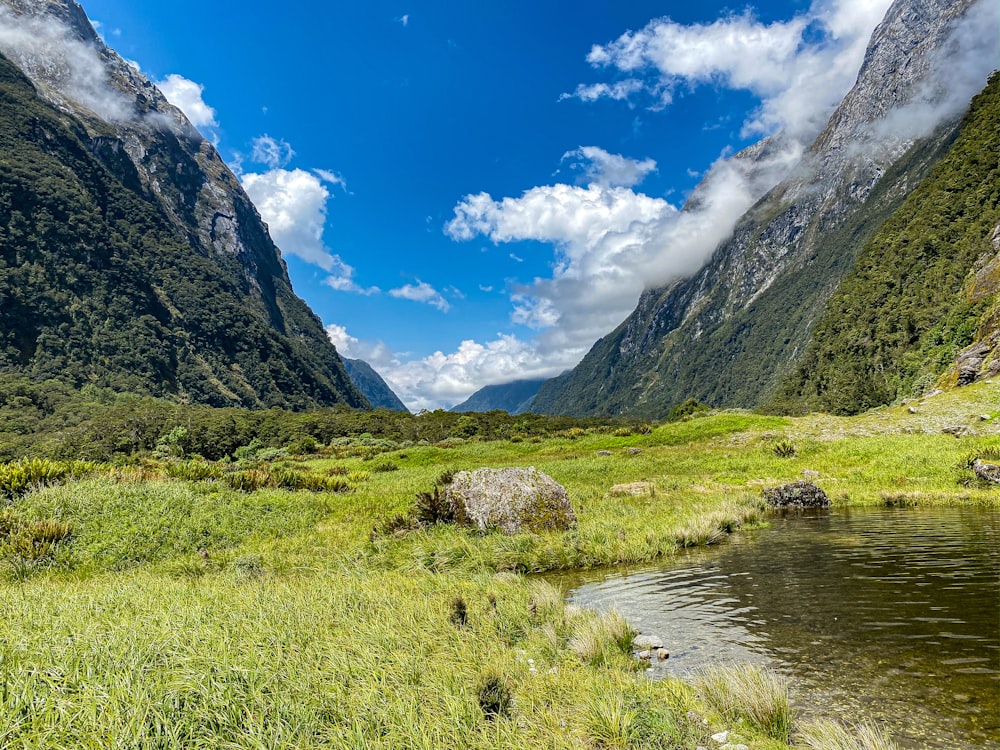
column 48, row 50
column 610, row 170
column 377, row 354
column 273, row 153
column 422, row 292
column 611, row 242
column 187, row 96
column 293, row 203
column 439, row 381
column 799, row 68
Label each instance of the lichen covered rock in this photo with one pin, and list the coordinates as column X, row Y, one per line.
column 797, row 495
column 511, row 500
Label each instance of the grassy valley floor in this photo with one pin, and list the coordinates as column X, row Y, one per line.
column 169, row 605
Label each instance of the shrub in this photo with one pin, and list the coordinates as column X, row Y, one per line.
column 18, row 477
column 783, row 449
column 433, row 507
column 31, row 541
column 250, row 480
column 385, row 466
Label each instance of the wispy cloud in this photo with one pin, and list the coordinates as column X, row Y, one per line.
column 422, row 292
column 273, row 153
column 48, row 50
column 598, row 167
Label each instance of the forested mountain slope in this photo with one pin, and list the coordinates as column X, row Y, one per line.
column 130, row 257
column 926, row 286
column 733, row 333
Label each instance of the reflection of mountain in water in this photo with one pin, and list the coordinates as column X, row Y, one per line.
column 890, row 615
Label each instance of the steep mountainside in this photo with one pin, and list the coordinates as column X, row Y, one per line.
column 130, row 257
column 731, row 334
column 922, row 289
column 513, row 398
column 371, row 384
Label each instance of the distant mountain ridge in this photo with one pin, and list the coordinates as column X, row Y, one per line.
column 735, row 331
column 130, row 256
column 513, row 398
column 372, row 385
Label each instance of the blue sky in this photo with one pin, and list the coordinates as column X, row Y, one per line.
column 471, row 193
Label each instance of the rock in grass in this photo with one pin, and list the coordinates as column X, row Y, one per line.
column 650, row 642
column 986, row 472
column 797, row 495
column 511, row 500
column 637, row 489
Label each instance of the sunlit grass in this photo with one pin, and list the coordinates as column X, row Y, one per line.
column 172, row 610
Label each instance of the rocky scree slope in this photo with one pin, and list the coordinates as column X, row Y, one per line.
column 731, row 334
column 131, row 257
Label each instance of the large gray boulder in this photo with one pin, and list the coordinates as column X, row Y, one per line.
column 797, row 495
column 512, row 500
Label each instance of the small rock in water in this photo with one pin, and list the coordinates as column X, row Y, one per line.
column 721, row 737
column 647, row 642
column 645, row 655
column 662, row 653
column 962, row 698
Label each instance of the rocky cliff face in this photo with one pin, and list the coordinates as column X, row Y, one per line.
column 150, row 149
column 730, row 334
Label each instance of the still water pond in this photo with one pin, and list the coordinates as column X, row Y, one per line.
column 891, row 615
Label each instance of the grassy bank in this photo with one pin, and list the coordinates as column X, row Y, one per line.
column 143, row 610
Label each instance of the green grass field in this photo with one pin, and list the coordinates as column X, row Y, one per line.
column 143, row 611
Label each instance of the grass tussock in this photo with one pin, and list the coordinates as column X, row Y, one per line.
column 825, row 734
column 756, row 696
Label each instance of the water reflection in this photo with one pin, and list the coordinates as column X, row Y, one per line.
column 887, row 614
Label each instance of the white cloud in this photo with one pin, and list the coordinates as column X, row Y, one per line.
column 611, row 243
column 442, row 380
column 187, row 96
column 334, row 178
column 273, row 153
column 49, row 51
column 422, row 292
column 378, row 355
column 404, row 20
column 618, row 91
column 610, row 170
column 293, row 203
column 799, row 68
column 341, row 278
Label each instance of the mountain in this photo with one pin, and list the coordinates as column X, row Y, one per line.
column 130, row 257
column 926, row 286
column 514, row 398
column 371, row 384
column 734, row 332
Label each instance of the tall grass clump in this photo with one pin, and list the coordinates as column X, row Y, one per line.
column 601, row 640
column 755, row 695
column 825, row 734
column 18, row 477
